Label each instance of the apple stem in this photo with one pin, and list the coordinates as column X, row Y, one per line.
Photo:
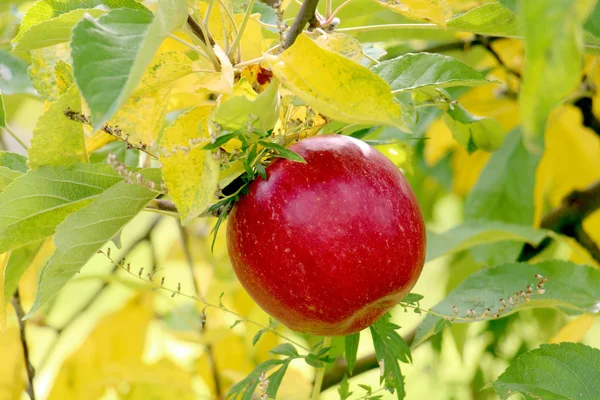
column 316, row 394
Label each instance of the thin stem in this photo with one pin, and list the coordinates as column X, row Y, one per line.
column 370, row 58
column 316, row 394
column 328, row 8
column 199, row 32
column 16, row 301
column 197, row 49
column 249, row 62
column 337, row 10
column 208, row 10
column 229, row 15
column 381, row 27
column 14, row 135
column 238, row 37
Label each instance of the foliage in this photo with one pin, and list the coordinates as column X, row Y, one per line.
column 130, row 129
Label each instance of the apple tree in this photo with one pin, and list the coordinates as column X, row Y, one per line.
column 235, row 199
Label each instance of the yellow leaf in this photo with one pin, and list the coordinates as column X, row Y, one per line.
column 436, row 11
column 575, row 330
column 258, row 77
column 64, row 76
column 170, row 44
column 42, row 71
column 164, row 69
column 571, row 159
column 58, row 140
column 217, row 82
column 334, row 85
column 342, row 44
column 3, row 263
column 117, row 340
column 190, row 174
column 163, row 380
column 12, row 367
column 252, row 43
column 298, row 122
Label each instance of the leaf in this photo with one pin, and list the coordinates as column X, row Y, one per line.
column 553, row 45
column 57, row 140
column 285, row 349
column 427, row 70
column 94, row 365
column 283, row 152
column 487, row 19
column 473, row 233
column 12, row 381
column 42, row 72
column 164, row 69
column 412, row 298
column 351, row 349
column 217, row 82
column 436, row 11
column 4, row 257
column 575, row 330
column 570, row 286
column 191, row 176
column 13, row 75
column 126, row 40
column 440, row 325
column 391, row 348
column 2, row 112
column 344, row 388
column 52, row 31
column 334, row 85
column 35, row 203
column 83, row 233
column 342, row 44
column 473, row 132
column 553, row 372
column 275, row 379
column 246, row 387
column 12, row 165
column 64, row 76
column 241, row 111
column 53, row 20
column 19, row 260
column 504, row 192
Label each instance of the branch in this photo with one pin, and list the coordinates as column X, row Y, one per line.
column 16, row 301
column 363, row 364
column 305, row 15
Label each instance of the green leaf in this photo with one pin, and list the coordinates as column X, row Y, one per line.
column 85, row 231
column 412, row 298
column 53, row 31
column 314, row 361
column 473, row 132
column 285, row 349
column 220, row 141
column 440, row 325
column 57, row 140
column 276, row 377
column 412, row 71
column 504, row 192
column 487, row 19
column 344, row 388
column 126, row 40
column 351, row 349
column 335, row 86
column 246, row 387
column 553, row 372
column 49, row 22
column 473, row 233
column 18, row 262
column 391, row 348
column 283, row 152
column 13, row 75
column 553, row 45
column 239, row 112
column 2, row 112
column 34, row 204
column 569, row 286
column 12, row 165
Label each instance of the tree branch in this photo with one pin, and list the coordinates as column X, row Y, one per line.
column 16, row 301
column 305, row 15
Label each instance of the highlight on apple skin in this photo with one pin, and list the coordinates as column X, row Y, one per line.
column 329, row 246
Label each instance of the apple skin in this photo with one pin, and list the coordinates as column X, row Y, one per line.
column 329, row 246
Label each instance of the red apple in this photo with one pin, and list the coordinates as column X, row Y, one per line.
column 329, row 246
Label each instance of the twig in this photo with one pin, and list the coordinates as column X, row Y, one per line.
column 485, row 41
column 237, row 42
column 15, row 136
column 209, row 350
column 305, row 15
column 318, row 384
column 16, row 301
